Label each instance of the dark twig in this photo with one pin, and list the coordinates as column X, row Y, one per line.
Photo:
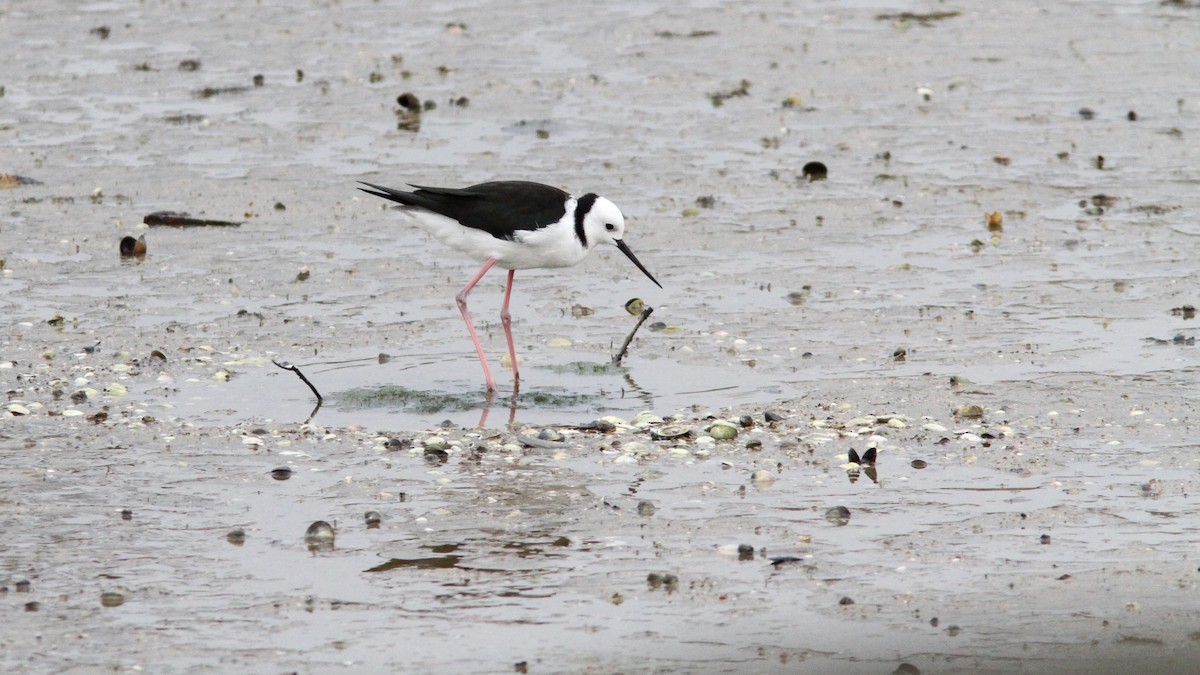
column 173, row 219
column 625, row 347
column 286, row 365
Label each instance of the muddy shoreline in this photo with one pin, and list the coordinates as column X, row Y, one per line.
column 993, row 288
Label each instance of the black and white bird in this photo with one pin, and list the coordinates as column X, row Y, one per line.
column 514, row 224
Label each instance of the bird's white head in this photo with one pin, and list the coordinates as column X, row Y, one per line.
column 599, row 221
column 602, row 222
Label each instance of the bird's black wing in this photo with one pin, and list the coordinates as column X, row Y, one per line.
column 500, row 208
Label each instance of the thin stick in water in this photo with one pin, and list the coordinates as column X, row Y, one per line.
column 286, row 365
column 625, row 347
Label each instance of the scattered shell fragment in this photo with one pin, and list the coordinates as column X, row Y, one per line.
column 549, row 434
column 669, row 432
column 799, row 297
column 373, row 519
column 281, row 473
column 655, row 580
column 112, row 598
column 645, row 419
column 814, row 171
column 320, row 534
column 723, row 431
column 10, row 180
column 969, row 411
column 635, row 306
column 133, row 248
column 762, row 478
column 838, row 515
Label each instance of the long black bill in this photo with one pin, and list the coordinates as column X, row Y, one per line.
column 625, row 249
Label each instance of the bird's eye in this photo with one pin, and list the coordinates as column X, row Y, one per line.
column 610, row 227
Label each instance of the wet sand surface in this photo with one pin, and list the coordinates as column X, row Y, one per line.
column 1028, row 384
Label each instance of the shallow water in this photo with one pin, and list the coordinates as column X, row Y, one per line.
column 1068, row 326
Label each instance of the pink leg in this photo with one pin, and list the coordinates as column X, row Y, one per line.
column 506, row 320
column 461, row 298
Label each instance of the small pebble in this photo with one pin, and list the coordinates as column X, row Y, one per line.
column 373, row 519
column 745, row 552
column 645, row 508
column 236, row 536
column 281, row 473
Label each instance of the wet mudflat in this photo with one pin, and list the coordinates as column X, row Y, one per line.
column 1027, row 378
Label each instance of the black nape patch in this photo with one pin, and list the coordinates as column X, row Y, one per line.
column 581, row 210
